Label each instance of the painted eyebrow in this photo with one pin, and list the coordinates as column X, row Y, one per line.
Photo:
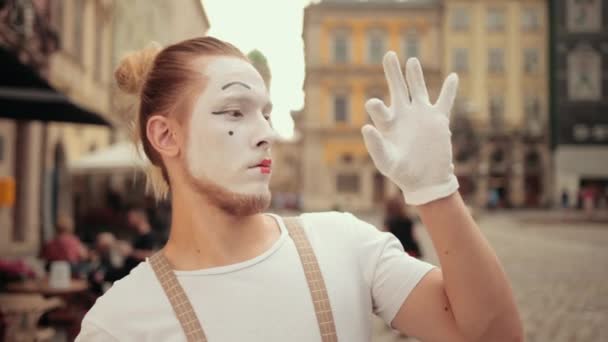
column 267, row 109
column 236, row 83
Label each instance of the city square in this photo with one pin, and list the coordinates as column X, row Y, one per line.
column 558, row 274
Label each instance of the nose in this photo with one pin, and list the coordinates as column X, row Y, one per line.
column 265, row 135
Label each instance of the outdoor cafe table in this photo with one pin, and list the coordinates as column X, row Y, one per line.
column 76, row 305
column 42, row 287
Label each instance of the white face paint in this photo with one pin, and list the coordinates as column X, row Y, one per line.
column 235, row 99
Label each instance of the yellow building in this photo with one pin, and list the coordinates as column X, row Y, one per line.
column 344, row 45
column 499, row 49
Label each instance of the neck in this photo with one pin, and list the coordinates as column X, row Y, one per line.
column 203, row 235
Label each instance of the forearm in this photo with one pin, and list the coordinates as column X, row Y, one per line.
column 475, row 283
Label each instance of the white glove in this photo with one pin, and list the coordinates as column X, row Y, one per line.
column 410, row 143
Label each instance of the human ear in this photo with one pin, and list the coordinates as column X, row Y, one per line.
column 163, row 133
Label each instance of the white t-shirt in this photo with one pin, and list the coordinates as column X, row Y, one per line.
column 267, row 298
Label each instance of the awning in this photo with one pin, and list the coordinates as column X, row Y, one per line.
column 121, row 156
column 24, row 95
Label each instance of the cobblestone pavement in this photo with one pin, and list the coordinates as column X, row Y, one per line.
column 559, row 274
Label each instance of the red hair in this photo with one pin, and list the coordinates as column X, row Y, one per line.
column 164, row 80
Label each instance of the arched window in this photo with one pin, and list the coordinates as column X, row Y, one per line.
column 411, row 43
column 341, row 46
column 376, row 46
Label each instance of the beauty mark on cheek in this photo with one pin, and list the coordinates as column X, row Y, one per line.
column 231, row 133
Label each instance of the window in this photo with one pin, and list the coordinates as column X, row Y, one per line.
column 532, row 107
column 460, row 19
column 411, row 44
column 375, row 46
column 340, row 47
column 496, row 60
column 584, row 15
column 530, row 19
column 495, row 19
column 98, row 57
column 341, row 108
column 532, row 115
column 78, row 30
column 460, row 59
column 347, row 183
column 584, row 74
column 531, row 60
column 496, row 112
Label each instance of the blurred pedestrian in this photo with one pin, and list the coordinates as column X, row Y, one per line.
column 398, row 222
column 145, row 242
column 588, row 197
column 565, row 199
column 493, row 198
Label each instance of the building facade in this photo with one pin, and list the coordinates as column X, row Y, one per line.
column 81, row 70
column 110, row 30
column 33, row 96
column 499, row 50
column 579, row 92
column 72, row 48
column 344, row 44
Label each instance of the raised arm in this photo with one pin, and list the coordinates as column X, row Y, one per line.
column 469, row 298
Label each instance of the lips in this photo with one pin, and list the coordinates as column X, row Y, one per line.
column 264, row 165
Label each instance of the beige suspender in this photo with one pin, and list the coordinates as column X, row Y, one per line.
column 190, row 323
column 315, row 281
column 177, row 297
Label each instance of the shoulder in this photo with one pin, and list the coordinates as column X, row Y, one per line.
column 343, row 224
column 341, row 232
column 138, row 294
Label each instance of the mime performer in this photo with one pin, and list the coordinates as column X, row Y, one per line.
column 232, row 272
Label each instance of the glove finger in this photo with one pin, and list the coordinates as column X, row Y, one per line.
column 396, row 83
column 380, row 114
column 448, row 94
column 376, row 146
column 415, row 81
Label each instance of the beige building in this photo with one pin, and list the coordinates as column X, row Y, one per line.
column 344, row 44
column 500, row 51
column 90, row 36
column 53, row 84
column 109, row 30
column 95, row 34
column 137, row 23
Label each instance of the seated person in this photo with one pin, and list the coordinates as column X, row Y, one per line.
column 66, row 246
column 107, row 261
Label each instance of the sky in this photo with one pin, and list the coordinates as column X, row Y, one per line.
column 278, row 37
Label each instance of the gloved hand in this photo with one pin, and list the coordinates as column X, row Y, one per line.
column 410, row 143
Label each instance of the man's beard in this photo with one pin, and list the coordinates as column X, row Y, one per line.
column 232, row 203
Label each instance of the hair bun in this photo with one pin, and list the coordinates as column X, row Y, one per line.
column 131, row 73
